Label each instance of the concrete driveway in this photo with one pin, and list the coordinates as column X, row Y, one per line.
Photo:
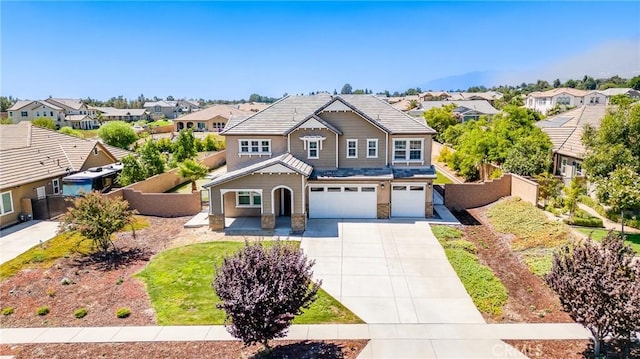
column 388, row 271
column 395, row 272
column 17, row 239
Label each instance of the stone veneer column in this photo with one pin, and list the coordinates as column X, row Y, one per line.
column 428, row 209
column 268, row 221
column 216, row 222
column 383, row 211
column 298, row 223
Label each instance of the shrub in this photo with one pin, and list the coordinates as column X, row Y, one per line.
column 598, row 286
column 80, row 313
column 445, row 154
column 118, row 134
column 42, row 310
column 8, row 311
column 123, row 312
column 51, row 292
column 586, row 222
column 262, row 289
column 496, row 173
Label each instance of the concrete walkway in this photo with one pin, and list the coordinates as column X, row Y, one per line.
column 608, row 224
column 21, row 237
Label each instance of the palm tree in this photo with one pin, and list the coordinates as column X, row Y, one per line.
column 192, row 171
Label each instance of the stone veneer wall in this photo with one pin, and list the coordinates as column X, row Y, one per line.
column 383, row 211
column 298, row 223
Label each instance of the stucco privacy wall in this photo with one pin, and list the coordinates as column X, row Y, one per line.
column 152, row 190
column 470, row 195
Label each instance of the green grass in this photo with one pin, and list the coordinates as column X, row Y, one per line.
column 528, row 223
column 45, row 254
column 486, row 290
column 632, row 239
column 442, row 179
column 186, row 188
column 159, row 123
column 179, row 285
column 89, row 133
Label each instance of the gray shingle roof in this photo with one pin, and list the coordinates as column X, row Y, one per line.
column 30, row 153
column 285, row 159
column 19, row 104
column 287, row 113
column 482, row 106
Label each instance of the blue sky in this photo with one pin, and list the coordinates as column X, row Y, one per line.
column 230, row 50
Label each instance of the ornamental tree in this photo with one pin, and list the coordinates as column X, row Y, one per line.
column 97, row 217
column 193, row 171
column 118, row 133
column 262, row 289
column 621, row 191
column 598, row 285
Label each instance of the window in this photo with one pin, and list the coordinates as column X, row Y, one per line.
column 372, row 148
column 38, row 113
column 334, row 189
column 368, row 189
column 6, row 205
column 259, row 147
column 352, row 148
column 51, row 113
column 10, row 113
column 312, row 150
column 407, row 150
column 578, row 165
column 55, row 183
column 248, row 199
column 24, row 114
column 317, row 189
column 351, row 189
column 157, row 109
column 563, row 100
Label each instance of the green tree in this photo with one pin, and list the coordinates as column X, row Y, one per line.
column 621, row 191
column 615, row 144
column 548, row 186
column 346, row 89
column 70, row 131
column 440, row 119
column 118, row 133
column 151, row 159
column 97, row 218
column 576, row 189
column 634, row 83
column 193, row 171
column 6, row 103
column 132, row 171
column 44, row 122
column 209, row 144
column 184, row 146
column 530, row 155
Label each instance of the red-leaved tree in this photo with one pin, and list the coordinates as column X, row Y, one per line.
column 262, row 289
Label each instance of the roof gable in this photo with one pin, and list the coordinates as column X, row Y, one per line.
column 313, row 122
column 285, row 162
column 338, row 104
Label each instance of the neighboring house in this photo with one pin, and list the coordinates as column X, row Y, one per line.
column 64, row 112
column 323, row 156
column 210, row 119
column 565, row 132
column 567, row 97
column 122, row 114
column 252, row 106
column 33, row 161
column 465, row 110
column 608, row 93
column 170, row 109
column 489, row 96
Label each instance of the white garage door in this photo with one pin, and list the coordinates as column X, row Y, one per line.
column 407, row 200
column 355, row 201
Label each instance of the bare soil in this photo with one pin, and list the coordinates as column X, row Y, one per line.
column 99, row 288
column 347, row 349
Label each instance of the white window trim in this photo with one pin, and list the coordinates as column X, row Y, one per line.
column 309, row 156
column 375, row 140
column 252, row 196
column 2, row 209
column 407, row 150
column 250, row 152
column 349, row 140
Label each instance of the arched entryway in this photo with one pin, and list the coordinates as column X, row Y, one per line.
column 282, row 201
column 189, row 124
column 180, row 126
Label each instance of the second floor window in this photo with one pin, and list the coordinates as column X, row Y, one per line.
column 372, row 148
column 407, row 150
column 24, row 114
column 312, row 150
column 255, row 147
column 352, row 148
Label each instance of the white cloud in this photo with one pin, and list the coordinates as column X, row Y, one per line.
column 620, row 57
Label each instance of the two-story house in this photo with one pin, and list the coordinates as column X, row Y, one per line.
column 323, row 156
column 63, row 111
column 211, row 119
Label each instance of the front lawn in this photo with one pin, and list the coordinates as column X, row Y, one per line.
column 179, row 285
column 442, row 179
column 632, row 239
column 63, row 245
column 486, row 290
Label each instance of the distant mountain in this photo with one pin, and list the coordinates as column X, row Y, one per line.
column 462, row 82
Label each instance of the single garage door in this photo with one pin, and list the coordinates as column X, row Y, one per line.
column 354, row 201
column 407, row 200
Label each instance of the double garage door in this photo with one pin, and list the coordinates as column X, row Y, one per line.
column 360, row 201
column 353, row 201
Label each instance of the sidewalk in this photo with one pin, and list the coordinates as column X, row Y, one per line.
column 537, row 331
column 608, row 224
column 19, row 238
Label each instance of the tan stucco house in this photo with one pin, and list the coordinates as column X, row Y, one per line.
column 210, row 119
column 34, row 160
column 323, row 156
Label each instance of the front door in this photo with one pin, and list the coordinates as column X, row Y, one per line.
column 285, row 202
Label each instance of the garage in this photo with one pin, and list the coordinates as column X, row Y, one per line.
column 352, row 201
column 408, row 200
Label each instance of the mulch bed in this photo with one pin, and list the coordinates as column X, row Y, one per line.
column 347, row 349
